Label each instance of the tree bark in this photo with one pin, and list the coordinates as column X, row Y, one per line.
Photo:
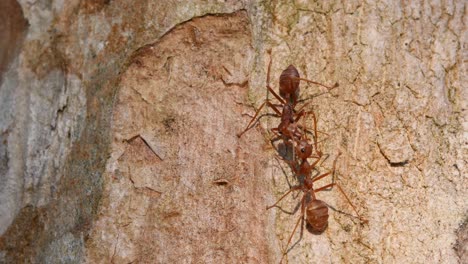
column 121, row 144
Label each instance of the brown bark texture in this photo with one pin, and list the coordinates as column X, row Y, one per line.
column 119, row 123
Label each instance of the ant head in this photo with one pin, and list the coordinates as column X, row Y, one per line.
column 303, row 149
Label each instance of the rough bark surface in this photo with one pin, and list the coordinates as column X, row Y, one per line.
column 118, row 125
column 178, row 177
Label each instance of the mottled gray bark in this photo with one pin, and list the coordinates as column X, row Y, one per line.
column 118, row 125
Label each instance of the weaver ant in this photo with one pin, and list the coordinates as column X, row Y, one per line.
column 314, row 210
column 288, row 94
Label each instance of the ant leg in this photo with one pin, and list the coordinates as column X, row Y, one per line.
column 285, row 174
column 277, row 136
column 253, row 119
column 268, row 82
column 329, row 172
column 315, row 133
column 269, row 68
column 299, row 115
column 295, row 188
column 275, row 131
column 266, row 102
column 317, row 83
column 256, row 114
column 326, row 136
column 302, row 109
column 301, row 217
column 321, row 176
column 314, row 164
column 275, row 94
column 346, row 196
column 272, row 106
column 339, row 188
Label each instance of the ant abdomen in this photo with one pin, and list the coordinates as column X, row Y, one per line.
column 317, row 215
column 289, row 83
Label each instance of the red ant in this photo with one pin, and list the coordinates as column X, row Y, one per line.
column 315, row 210
column 289, row 92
